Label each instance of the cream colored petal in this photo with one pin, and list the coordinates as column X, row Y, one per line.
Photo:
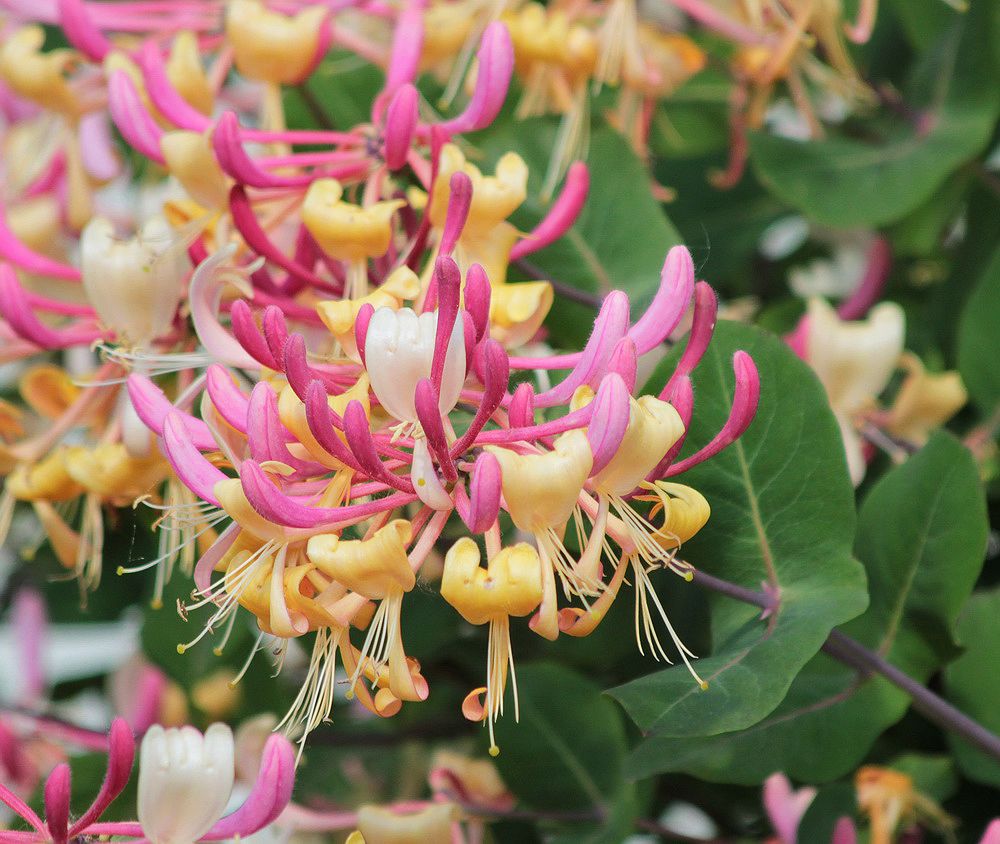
column 854, row 360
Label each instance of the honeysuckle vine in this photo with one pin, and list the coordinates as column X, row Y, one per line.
column 320, row 360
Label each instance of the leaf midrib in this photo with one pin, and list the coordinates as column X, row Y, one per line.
column 899, row 609
column 565, row 755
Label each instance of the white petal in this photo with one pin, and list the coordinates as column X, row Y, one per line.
column 854, row 360
column 185, row 780
column 429, row 488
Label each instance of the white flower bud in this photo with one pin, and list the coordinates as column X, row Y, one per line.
column 185, row 780
column 134, row 284
column 399, row 350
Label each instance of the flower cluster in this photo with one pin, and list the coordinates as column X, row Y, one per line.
column 313, row 359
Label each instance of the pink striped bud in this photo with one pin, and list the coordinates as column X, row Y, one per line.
column 400, row 126
column 131, row 117
column 484, row 493
column 459, row 202
column 496, row 64
column 745, row 400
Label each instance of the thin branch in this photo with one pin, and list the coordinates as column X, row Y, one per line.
column 852, row 653
column 367, row 738
column 561, row 288
column 930, row 705
column 733, row 590
column 315, row 108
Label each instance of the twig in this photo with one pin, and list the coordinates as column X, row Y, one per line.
column 561, row 288
column 367, row 738
column 931, row 706
column 315, row 108
column 733, row 590
column 851, row 652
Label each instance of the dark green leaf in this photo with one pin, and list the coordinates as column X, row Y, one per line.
column 782, row 513
column 843, row 181
column 921, row 534
column 567, row 752
column 979, row 339
column 973, row 681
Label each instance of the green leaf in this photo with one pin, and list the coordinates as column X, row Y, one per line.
column 783, row 514
column 343, row 86
column 567, row 752
column 921, row 535
column 973, row 682
column 831, row 803
column 844, row 181
column 932, row 775
column 979, row 339
column 922, row 22
column 620, row 240
column 921, row 232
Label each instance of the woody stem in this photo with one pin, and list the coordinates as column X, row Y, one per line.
column 868, row 663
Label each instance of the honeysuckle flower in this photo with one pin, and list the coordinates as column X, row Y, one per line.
column 136, row 284
column 384, row 825
column 471, row 782
column 185, row 779
column 855, row 361
column 925, row 401
column 785, row 806
column 400, row 347
column 891, row 803
column 348, row 232
column 299, row 459
column 272, row 47
column 510, row 585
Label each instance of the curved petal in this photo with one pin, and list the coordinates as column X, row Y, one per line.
column 194, row 471
column 669, row 304
column 270, row 795
column 153, row 407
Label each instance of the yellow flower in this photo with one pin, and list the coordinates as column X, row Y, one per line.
column 186, row 74
column 339, row 314
column 547, row 36
column 37, row 75
column 380, row 825
column 374, row 567
column 110, row 472
column 510, row 585
column 377, row 568
column 541, row 489
column 191, row 160
column 854, row 361
column 541, row 493
column 269, row 46
column 925, row 401
column 891, row 802
column 494, row 198
column 346, row 231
